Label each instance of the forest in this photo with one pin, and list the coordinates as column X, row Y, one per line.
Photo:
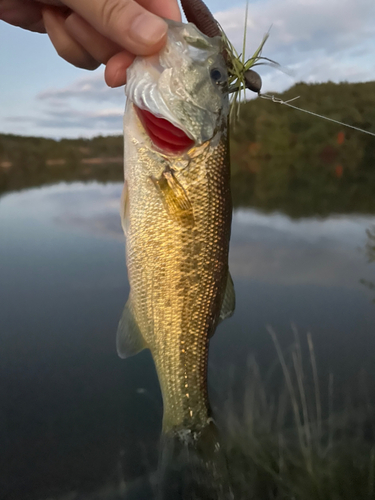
column 281, row 159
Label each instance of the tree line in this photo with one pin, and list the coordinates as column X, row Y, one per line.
column 281, row 159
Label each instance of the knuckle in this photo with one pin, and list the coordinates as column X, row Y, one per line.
column 80, row 59
column 64, row 50
column 112, row 10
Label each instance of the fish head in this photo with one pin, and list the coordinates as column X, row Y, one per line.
column 180, row 94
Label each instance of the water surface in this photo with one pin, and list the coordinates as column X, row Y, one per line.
column 73, row 415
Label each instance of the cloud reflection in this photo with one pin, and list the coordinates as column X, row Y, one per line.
column 276, row 249
column 270, row 248
column 95, row 209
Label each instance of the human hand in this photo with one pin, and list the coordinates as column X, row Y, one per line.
column 87, row 33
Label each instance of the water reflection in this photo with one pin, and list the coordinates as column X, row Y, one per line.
column 312, row 251
column 73, row 411
column 370, row 244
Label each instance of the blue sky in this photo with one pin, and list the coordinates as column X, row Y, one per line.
column 315, row 40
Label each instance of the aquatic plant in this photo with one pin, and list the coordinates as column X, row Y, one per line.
column 241, row 76
column 290, row 442
column 289, row 446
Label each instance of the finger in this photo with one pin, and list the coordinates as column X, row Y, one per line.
column 24, row 14
column 115, row 71
column 67, row 48
column 125, row 22
column 169, row 9
column 100, row 47
column 57, row 3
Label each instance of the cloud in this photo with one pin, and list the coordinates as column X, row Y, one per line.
column 304, row 25
column 315, row 40
column 318, row 40
column 86, row 105
column 109, row 119
column 91, row 88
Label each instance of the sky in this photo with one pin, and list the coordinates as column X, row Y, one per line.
column 312, row 40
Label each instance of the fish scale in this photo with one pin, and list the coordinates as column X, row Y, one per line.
column 177, row 218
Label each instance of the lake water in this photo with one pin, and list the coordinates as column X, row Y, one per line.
column 74, row 416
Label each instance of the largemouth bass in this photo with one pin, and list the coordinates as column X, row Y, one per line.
column 177, row 217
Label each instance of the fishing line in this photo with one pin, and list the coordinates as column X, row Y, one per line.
column 242, row 77
column 287, row 103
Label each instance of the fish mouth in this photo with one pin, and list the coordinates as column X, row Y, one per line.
column 166, row 136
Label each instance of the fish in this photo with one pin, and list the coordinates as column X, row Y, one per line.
column 176, row 214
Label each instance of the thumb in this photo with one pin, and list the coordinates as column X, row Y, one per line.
column 125, row 22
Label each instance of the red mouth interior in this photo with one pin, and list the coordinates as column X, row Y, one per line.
column 163, row 134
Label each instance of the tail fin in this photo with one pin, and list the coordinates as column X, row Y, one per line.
column 192, row 466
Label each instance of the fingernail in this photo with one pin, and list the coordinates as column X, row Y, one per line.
column 119, row 78
column 148, row 29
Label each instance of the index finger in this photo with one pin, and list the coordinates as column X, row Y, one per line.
column 138, row 29
column 168, row 9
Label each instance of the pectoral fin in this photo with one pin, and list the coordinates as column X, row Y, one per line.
column 229, row 301
column 174, row 197
column 129, row 339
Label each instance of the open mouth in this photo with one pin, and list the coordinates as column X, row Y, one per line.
column 163, row 134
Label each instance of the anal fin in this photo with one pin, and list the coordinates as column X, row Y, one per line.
column 229, row 301
column 129, row 340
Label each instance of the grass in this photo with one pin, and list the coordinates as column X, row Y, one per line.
column 287, row 446
column 238, row 65
column 290, row 443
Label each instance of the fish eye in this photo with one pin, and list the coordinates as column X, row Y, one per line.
column 216, row 75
